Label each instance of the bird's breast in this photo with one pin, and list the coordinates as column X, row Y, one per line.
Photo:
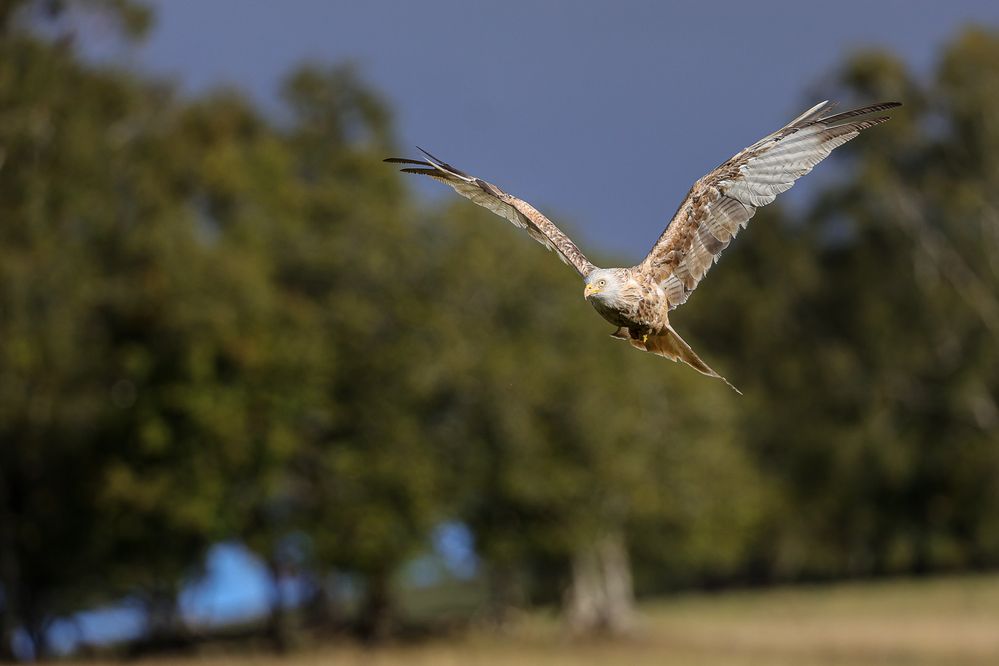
column 613, row 313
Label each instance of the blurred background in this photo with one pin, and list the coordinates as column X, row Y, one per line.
column 262, row 398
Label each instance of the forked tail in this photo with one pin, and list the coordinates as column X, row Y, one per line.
column 673, row 347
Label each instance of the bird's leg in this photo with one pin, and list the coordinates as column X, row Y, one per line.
column 639, row 334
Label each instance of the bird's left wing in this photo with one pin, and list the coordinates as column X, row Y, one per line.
column 721, row 203
column 517, row 211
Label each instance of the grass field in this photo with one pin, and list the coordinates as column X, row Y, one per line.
column 946, row 621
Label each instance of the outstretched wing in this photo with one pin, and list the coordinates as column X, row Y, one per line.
column 721, row 203
column 521, row 213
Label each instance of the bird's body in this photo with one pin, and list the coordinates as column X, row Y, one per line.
column 628, row 299
column 638, row 306
column 637, row 300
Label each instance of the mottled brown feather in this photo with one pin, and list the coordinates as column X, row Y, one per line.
column 517, row 211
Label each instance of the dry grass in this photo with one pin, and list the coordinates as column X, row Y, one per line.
column 952, row 622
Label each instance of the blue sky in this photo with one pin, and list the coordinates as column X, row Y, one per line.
column 601, row 112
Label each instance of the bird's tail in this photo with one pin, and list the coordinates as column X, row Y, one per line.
column 673, row 347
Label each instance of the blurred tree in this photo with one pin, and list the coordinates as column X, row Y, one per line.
column 874, row 347
column 146, row 367
column 368, row 483
column 924, row 212
column 54, row 386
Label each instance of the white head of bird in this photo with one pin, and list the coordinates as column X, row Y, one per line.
column 604, row 285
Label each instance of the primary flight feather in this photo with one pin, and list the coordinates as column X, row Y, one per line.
column 637, row 300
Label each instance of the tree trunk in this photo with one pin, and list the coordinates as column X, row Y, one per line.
column 165, row 629
column 277, row 622
column 505, row 593
column 600, row 598
column 9, row 578
column 6, row 637
column 376, row 619
column 37, row 632
column 9, row 619
column 322, row 612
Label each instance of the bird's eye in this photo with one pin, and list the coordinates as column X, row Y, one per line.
column 603, row 283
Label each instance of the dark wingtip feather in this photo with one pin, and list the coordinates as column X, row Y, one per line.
column 862, row 111
column 441, row 163
column 427, row 153
column 436, row 174
column 861, row 125
column 404, row 160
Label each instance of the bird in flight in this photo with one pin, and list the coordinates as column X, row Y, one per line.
column 638, row 300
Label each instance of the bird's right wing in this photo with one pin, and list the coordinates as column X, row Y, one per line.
column 517, row 211
column 721, row 203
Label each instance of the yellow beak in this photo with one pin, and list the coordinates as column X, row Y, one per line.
column 591, row 289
